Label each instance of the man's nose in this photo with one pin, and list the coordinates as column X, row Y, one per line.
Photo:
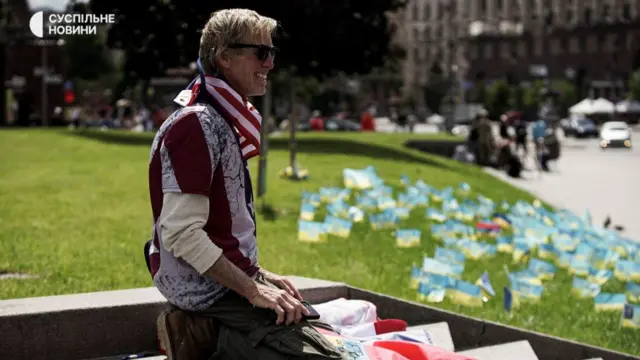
column 269, row 63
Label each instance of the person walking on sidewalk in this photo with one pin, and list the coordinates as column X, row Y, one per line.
column 204, row 255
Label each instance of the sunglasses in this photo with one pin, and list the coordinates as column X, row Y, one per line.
column 262, row 51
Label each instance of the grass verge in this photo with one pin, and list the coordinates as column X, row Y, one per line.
column 74, row 210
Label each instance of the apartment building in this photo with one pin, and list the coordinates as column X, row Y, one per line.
column 594, row 42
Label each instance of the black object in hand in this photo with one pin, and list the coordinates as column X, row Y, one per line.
column 313, row 314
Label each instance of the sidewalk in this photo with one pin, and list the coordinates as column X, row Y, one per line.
column 585, row 177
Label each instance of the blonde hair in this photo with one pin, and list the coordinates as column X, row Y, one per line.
column 230, row 26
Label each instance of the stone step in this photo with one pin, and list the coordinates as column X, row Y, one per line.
column 439, row 333
column 518, row 350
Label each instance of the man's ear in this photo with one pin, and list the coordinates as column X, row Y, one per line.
column 223, row 61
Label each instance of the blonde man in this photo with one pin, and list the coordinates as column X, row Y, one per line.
column 203, row 256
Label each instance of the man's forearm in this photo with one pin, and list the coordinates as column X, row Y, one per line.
column 230, row 276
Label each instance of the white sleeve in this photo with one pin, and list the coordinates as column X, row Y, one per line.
column 181, row 224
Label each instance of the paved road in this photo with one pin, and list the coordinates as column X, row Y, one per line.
column 586, row 177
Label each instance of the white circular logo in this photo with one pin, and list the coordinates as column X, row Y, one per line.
column 36, row 24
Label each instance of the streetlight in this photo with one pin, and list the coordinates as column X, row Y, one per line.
column 453, row 69
column 46, row 75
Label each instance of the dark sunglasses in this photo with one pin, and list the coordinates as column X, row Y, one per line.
column 262, row 51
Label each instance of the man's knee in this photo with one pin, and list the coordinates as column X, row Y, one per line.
column 184, row 335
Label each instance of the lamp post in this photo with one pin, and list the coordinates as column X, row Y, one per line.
column 4, row 23
column 46, row 75
column 264, row 138
column 451, row 45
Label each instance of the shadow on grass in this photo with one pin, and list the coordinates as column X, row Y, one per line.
column 114, row 137
column 304, row 145
column 269, row 212
column 356, row 148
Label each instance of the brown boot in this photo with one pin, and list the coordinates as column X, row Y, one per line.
column 186, row 336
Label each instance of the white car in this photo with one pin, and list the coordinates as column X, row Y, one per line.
column 615, row 133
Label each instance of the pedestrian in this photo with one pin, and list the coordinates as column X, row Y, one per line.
column 316, row 123
column 204, row 255
column 485, row 146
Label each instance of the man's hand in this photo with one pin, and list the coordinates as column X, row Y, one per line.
column 281, row 282
column 287, row 308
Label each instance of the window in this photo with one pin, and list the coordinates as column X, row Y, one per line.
column 564, row 45
column 538, row 47
column 505, row 52
column 587, row 16
column 626, row 12
column 569, row 16
column 473, row 53
column 483, row 5
column 602, row 42
column 416, row 55
column 522, row 48
column 582, row 41
column 574, row 45
column 488, row 51
column 555, row 47
column 612, row 42
column 592, row 44
column 548, row 18
column 606, row 13
column 427, row 11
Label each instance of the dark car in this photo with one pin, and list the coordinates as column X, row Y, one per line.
column 582, row 128
column 332, row 124
column 338, row 124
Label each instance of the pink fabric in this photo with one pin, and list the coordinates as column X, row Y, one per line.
column 399, row 350
column 415, row 351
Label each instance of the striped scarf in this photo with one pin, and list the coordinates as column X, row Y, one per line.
column 237, row 110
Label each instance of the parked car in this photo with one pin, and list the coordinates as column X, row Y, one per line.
column 615, row 134
column 580, row 127
column 332, row 124
column 338, row 124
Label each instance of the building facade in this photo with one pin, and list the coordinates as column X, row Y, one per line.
column 595, row 43
column 28, row 94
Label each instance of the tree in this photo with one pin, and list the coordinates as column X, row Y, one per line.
column 634, row 85
column 318, row 37
column 568, row 95
column 87, row 56
column 533, row 95
column 498, row 98
column 516, row 97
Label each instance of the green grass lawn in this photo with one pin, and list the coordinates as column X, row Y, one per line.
column 75, row 211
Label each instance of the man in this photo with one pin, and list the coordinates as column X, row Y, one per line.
column 539, row 132
column 203, row 257
column 482, row 138
column 521, row 130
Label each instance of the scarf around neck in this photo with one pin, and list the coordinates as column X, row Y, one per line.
column 235, row 109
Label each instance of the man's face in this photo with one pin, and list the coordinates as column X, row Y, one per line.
column 247, row 68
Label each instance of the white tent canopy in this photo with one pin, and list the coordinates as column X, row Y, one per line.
column 628, row 106
column 603, row 106
column 436, row 119
column 582, row 108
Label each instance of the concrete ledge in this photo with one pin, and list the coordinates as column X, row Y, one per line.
column 100, row 325
column 439, row 332
column 94, row 325
column 519, row 350
column 470, row 333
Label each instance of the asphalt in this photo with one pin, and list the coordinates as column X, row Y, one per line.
column 606, row 182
